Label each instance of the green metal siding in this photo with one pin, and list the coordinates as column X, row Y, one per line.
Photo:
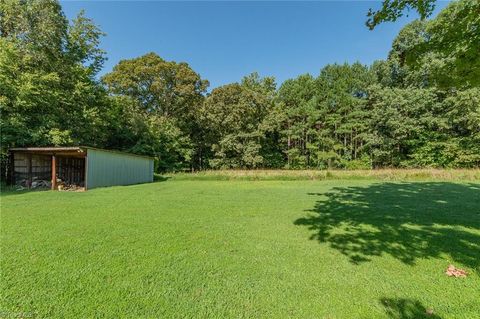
column 108, row 168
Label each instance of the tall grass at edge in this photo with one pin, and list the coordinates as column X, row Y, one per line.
column 379, row 174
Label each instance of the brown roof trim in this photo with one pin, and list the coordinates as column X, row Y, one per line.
column 46, row 149
column 72, row 149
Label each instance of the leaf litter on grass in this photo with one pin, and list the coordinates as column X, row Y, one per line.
column 452, row 271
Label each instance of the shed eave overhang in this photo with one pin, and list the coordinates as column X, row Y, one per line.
column 70, row 150
column 65, row 151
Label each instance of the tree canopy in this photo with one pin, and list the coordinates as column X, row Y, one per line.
column 49, row 93
column 391, row 10
column 420, row 107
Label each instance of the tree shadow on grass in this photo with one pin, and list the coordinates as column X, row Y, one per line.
column 406, row 309
column 12, row 190
column 405, row 220
column 160, row 178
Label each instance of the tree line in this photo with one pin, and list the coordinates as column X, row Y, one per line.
column 418, row 108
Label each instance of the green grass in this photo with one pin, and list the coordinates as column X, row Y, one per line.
column 243, row 249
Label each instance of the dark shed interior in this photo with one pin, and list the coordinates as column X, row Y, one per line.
column 55, row 168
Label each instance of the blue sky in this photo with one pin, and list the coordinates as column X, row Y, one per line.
column 223, row 41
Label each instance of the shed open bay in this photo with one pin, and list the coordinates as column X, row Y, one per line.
column 77, row 167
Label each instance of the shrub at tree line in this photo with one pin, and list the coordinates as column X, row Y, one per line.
column 418, row 108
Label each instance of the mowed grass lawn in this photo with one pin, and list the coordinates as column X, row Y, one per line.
column 243, row 249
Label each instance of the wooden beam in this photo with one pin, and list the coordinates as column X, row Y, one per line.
column 54, row 173
column 29, row 167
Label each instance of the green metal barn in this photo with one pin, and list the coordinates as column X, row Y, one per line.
column 78, row 167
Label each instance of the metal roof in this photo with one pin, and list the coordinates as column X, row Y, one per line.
column 70, row 149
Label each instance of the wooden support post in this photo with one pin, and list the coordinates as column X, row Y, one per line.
column 54, row 173
column 29, row 168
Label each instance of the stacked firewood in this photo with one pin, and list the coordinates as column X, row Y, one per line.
column 63, row 186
